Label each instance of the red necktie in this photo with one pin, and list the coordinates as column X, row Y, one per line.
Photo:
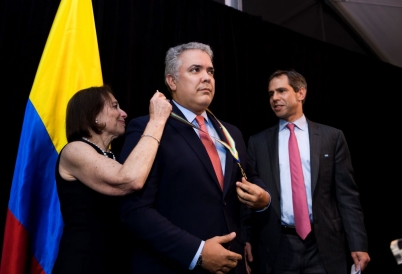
column 300, row 209
column 211, row 149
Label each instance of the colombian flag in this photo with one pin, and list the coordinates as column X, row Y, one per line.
column 70, row 62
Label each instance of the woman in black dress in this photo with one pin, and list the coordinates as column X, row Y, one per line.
column 90, row 180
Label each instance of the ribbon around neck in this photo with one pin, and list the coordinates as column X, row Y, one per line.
column 231, row 146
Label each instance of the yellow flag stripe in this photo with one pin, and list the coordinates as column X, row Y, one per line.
column 70, row 62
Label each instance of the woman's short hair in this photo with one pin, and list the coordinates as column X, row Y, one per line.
column 82, row 110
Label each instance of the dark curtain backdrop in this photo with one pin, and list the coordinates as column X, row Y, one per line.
column 346, row 90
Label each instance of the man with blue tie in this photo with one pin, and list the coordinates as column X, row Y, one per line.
column 187, row 218
column 331, row 220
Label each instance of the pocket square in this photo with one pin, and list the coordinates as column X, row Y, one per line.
column 326, row 155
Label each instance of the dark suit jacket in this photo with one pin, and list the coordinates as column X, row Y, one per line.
column 181, row 202
column 336, row 207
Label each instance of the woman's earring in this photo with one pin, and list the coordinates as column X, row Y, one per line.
column 96, row 121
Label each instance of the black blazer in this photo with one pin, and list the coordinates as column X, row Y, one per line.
column 181, row 202
column 337, row 212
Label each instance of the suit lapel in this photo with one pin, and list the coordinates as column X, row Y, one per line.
column 191, row 138
column 272, row 152
column 315, row 145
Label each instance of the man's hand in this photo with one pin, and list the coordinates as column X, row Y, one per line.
column 252, row 195
column 216, row 258
column 360, row 258
column 249, row 256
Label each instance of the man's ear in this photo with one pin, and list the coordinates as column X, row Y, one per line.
column 302, row 93
column 171, row 81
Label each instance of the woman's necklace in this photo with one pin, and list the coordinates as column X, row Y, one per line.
column 104, row 152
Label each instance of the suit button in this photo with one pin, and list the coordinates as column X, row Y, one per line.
column 224, row 203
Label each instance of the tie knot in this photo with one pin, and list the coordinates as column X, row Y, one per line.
column 200, row 120
column 290, row 126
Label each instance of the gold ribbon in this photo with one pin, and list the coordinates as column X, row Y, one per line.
column 231, row 146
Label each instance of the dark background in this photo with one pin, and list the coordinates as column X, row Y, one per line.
column 354, row 92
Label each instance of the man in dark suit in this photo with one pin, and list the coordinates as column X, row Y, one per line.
column 183, row 220
column 334, row 210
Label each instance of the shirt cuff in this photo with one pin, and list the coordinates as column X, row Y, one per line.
column 195, row 259
column 261, row 210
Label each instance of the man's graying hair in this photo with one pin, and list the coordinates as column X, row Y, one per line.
column 173, row 62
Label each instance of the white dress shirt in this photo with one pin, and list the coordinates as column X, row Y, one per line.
column 301, row 132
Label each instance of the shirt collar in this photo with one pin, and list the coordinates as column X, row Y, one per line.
column 190, row 116
column 301, row 123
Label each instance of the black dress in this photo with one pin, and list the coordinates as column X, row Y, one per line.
column 92, row 239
